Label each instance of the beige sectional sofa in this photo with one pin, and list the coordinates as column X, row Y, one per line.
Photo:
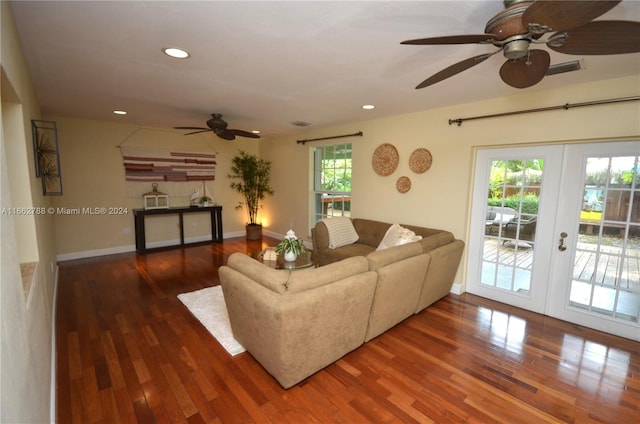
column 295, row 323
column 443, row 249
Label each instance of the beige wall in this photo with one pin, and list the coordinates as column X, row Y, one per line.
column 93, row 177
column 26, row 338
column 439, row 198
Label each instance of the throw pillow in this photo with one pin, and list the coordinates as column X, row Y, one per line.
column 397, row 235
column 341, row 231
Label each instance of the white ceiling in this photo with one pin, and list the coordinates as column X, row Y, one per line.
column 265, row 64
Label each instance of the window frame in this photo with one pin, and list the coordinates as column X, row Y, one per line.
column 333, row 201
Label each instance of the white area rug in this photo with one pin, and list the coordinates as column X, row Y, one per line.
column 208, row 306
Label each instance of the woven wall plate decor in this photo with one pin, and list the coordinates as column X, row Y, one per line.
column 403, row 184
column 420, row 160
column 385, row 159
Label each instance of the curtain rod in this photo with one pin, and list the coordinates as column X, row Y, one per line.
column 566, row 106
column 358, row 134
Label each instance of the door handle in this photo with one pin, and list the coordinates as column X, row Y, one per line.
column 561, row 245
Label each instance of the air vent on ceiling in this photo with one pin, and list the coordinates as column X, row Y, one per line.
column 561, row 68
column 300, row 123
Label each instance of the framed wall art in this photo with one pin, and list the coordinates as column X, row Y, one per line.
column 46, row 156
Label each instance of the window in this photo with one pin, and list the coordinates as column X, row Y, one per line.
column 332, row 181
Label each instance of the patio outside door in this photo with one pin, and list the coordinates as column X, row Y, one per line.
column 556, row 230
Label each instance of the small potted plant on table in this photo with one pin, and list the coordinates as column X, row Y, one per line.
column 290, row 247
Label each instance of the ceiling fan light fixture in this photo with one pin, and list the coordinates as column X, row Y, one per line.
column 516, row 49
column 176, row 52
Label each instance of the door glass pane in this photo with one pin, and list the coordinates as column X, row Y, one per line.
column 606, row 276
column 510, row 224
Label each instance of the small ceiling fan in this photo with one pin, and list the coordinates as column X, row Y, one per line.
column 219, row 128
column 523, row 22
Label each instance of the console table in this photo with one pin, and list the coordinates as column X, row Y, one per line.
column 140, row 214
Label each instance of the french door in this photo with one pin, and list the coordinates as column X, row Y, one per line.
column 596, row 279
column 556, row 230
column 512, row 224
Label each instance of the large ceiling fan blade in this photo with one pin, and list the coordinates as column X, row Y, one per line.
column 526, row 71
column 454, row 69
column 561, row 15
column 198, row 132
column 598, row 38
column 242, row 133
column 197, row 129
column 225, row 134
column 453, row 39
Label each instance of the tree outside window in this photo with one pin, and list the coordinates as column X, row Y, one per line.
column 332, row 181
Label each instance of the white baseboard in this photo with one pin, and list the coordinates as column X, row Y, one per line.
column 97, row 252
column 458, row 288
column 53, row 404
column 131, row 248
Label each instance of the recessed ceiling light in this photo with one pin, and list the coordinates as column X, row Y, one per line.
column 368, row 107
column 256, row 131
column 119, row 112
column 176, row 52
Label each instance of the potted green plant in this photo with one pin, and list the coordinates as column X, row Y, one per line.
column 290, row 247
column 205, row 200
column 251, row 177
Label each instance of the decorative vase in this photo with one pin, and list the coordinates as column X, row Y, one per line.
column 290, row 256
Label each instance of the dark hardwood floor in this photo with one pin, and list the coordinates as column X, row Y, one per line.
column 129, row 351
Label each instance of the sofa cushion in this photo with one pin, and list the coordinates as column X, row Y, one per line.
column 397, row 235
column 327, row 256
column 341, row 231
column 370, row 232
column 380, row 258
column 310, row 278
column 398, row 289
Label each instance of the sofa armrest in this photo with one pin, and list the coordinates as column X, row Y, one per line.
column 272, row 279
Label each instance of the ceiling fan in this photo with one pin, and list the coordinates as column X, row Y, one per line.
column 219, row 127
column 523, row 22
